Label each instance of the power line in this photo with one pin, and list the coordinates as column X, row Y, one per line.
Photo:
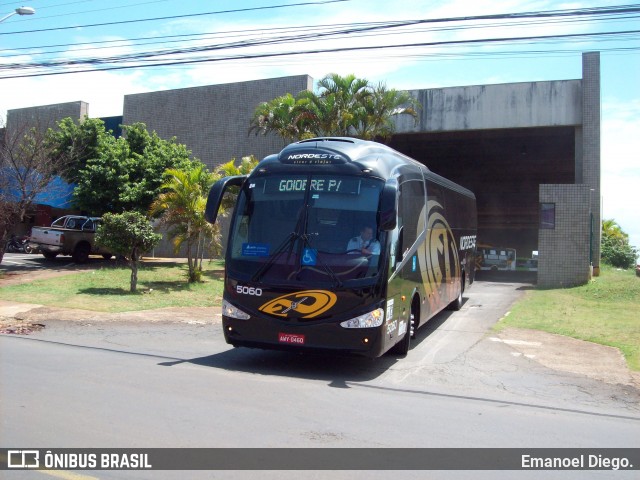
column 174, row 17
column 353, row 29
column 299, row 34
column 600, row 35
column 361, row 29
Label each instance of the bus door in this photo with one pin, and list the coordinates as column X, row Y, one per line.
column 407, row 251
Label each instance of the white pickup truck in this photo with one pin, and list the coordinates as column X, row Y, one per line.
column 69, row 235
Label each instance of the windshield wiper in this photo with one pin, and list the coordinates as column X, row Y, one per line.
column 287, row 243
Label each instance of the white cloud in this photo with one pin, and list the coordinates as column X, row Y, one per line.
column 620, row 140
column 102, row 90
column 620, row 165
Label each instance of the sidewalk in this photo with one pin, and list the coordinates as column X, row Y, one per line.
column 20, row 316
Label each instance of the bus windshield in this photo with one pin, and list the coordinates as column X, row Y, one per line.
column 296, row 229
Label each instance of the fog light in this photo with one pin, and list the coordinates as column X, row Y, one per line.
column 365, row 340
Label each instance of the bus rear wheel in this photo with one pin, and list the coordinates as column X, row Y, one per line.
column 457, row 303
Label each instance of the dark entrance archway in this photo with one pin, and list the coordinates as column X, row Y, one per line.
column 504, row 168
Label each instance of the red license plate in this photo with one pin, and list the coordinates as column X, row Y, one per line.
column 291, row 338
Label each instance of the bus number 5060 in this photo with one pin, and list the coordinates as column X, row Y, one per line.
column 244, row 290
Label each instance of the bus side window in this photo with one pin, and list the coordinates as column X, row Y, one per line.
column 410, row 207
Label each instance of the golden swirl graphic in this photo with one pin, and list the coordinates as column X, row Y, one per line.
column 440, row 255
column 303, row 304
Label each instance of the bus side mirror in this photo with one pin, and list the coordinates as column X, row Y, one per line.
column 217, row 192
column 389, row 206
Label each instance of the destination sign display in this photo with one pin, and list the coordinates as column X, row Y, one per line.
column 325, row 184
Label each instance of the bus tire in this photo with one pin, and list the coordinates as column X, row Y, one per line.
column 457, row 303
column 402, row 347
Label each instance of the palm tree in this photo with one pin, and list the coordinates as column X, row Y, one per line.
column 181, row 208
column 229, row 169
column 280, row 116
column 344, row 106
column 344, row 97
column 613, row 231
column 379, row 108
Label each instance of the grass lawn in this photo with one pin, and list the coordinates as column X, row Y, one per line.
column 605, row 311
column 107, row 289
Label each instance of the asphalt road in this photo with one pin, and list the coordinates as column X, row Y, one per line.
column 175, row 385
column 24, row 262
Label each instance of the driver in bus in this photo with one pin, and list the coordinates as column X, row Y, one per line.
column 364, row 243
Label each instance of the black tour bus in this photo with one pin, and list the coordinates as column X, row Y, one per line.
column 340, row 244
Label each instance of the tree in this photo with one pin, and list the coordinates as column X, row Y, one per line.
column 230, row 169
column 128, row 173
column 181, row 208
column 128, row 234
column 343, row 106
column 283, row 116
column 378, row 109
column 77, row 143
column 346, row 97
column 611, row 229
column 616, row 250
column 28, row 167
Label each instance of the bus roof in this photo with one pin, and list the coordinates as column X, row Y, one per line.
column 351, row 155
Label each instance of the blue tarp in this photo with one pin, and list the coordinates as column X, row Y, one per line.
column 57, row 194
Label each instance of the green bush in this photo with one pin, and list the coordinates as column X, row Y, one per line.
column 128, row 234
column 618, row 253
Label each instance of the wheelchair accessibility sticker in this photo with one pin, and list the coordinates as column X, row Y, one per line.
column 309, row 256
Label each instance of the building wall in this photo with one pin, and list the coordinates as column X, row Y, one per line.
column 591, row 143
column 563, row 259
column 484, row 107
column 44, row 117
column 528, row 105
column 213, row 121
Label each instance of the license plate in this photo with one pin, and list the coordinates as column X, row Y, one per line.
column 291, row 338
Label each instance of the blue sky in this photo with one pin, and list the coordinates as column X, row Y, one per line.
column 411, row 68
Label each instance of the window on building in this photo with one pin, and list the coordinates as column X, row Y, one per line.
column 548, row 215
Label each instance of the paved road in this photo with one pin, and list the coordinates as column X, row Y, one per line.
column 21, row 262
column 18, row 261
column 177, row 385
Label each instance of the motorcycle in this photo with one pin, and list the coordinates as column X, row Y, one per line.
column 18, row 245
column 28, row 248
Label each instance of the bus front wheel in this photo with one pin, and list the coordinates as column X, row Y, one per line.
column 402, row 347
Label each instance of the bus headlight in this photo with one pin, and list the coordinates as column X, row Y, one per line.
column 368, row 320
column 229, row 310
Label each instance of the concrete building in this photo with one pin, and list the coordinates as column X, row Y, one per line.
column 213, row 121
column 43, row 117
column 521, row 148
column 530, row 151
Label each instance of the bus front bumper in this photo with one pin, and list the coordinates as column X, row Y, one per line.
column 324, row 337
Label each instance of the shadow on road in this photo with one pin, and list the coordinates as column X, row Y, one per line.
column 507, row 277
column 337, row 369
